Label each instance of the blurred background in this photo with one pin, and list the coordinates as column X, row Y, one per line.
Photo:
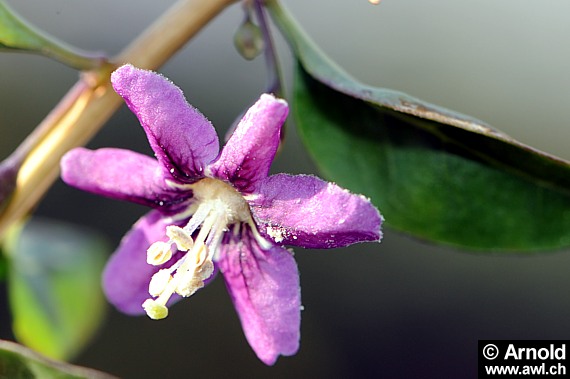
column 401, row 309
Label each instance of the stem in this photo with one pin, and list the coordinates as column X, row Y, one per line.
column 275, row 78
column 92, row 101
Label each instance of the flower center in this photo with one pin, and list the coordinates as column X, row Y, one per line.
column 216, row 206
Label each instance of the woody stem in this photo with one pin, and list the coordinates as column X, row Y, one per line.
column 91, row 102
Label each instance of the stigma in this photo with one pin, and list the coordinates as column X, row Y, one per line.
column 216, row 206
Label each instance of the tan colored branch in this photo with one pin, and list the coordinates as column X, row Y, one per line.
column 92, row 101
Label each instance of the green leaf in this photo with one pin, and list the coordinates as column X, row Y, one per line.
column 3, row 265
column 16, row 34
column 436, row 174
column 54, row 287
column 17, row 362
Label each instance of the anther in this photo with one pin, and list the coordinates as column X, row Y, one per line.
column 188, row 285
column 206, row 270
column 192, row 281
column 159, row 281
column 154, row 309
column 179, row 236
column 158, row 253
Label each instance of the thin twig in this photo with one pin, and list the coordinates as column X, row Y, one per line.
column 275, row 78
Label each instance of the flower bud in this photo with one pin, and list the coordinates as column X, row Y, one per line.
column 248, row 40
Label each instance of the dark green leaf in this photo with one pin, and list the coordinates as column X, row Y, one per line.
column 15, row 34
column 3, row 265
column 433, row 173
column 17, row 362
column 54, row 287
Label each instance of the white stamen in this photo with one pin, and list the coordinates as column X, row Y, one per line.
column 189, row 285
column 155, row 310
column 158, row 253
column 191, row 282
column 198, row 218
column 216, row 206
column 183, row 240
column 158, row 282
column 206, row 270
column 263, row 243
column 215, row 237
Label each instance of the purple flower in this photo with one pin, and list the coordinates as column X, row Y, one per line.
column 215, row 210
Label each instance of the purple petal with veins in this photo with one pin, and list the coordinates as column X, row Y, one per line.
column 182, row 138
column 303, row 210
column 222, row 211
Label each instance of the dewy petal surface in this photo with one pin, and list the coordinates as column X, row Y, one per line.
column 264, row 287
column 303, row 210
column 183, row 140
column 247, row 157
column 119, row 174
column 127, row 275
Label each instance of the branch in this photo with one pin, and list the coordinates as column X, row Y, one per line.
column 92, row 101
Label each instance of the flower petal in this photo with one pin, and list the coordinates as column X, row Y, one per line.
column 182, row 138
column 127, row 275
column 306, row 211
column 247, row 156
column 264, row 287
column 119, row 174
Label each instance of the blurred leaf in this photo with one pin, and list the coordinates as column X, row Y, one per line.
column 16, row 34
column 54, row 287
column 3, row 265
column 436, row 174
column 17, row 362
